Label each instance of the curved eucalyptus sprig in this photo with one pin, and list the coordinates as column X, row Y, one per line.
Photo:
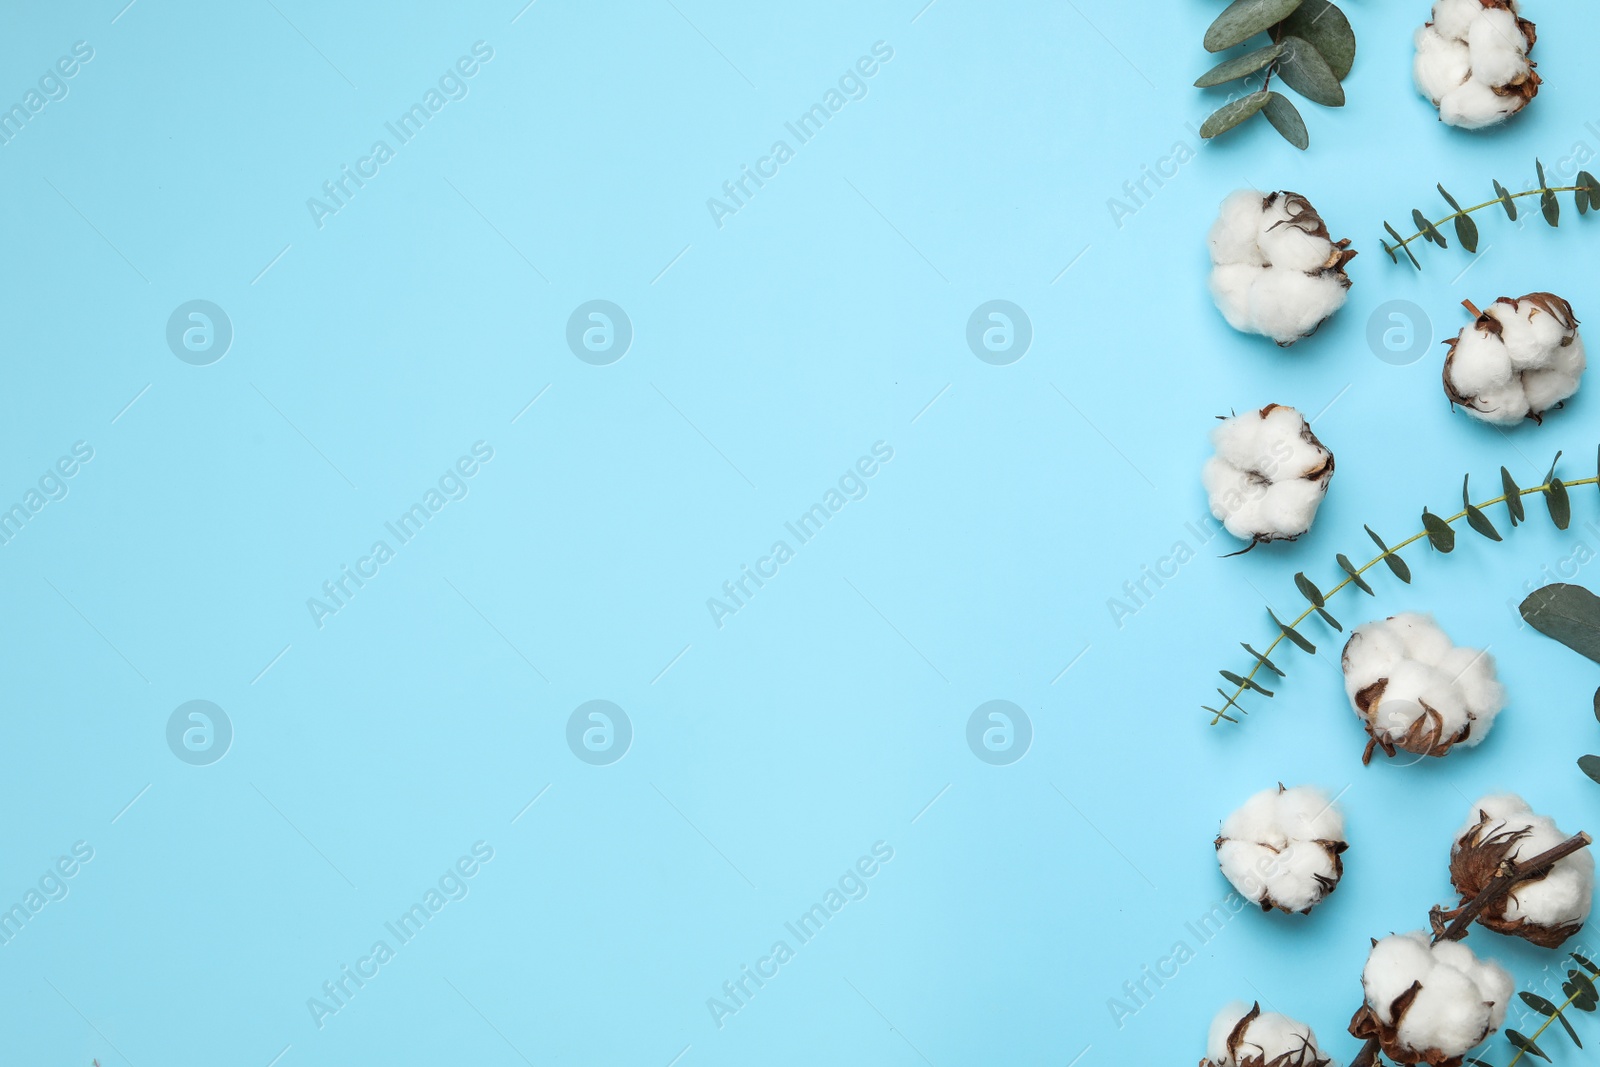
column 1311, row 48
column 1585, row 195
column 1581, row 994
column 1440, row 534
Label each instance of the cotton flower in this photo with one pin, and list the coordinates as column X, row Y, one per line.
column 1429, row 1003
column 1546, row 910
column 1281, row 849
column 1472, row 61
column 1268, row 476
column 1416, row 691
column 1517, row 360
column 1249, row 1037
column 1275, row 271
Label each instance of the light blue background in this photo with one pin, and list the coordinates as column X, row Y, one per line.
column 770, row 353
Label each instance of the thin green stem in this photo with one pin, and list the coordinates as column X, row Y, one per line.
column 1490, row 203
column 1232, row 701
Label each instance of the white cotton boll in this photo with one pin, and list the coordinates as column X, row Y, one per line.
column 1471, row 62
column 1414, row 690
column 1517, row 360
column 1268, row 476
column 1288, row 305
column 1448, row 1000
column 1453, row 18
column 1233, row 236
column 1281, row 848
column 1244, row 1036
column 1275, row 270
column 1441, row 65
column 1545, row 910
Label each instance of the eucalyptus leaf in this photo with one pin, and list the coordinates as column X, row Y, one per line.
column 1505, row 201
column 1355, row 575
column 1597, row 705
column 1525, row 1044
column 1551, row 207
column 1309, row 590
column 1294, row 635
column 1308, row 74
column 1232, row 113
column 1467, row 232
column 1401, row 242
column 1285, row 118
column 1513, row 496
column 1239, row 66
column 1271, row 666
column 1328, row 31
column 1588, row 192
column 1569, row 614
column 1440, row 535
column 1243, row 19
column 1559, row 503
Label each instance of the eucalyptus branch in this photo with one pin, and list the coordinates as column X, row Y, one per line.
column 1585, row 195
column 1440, row 533
column 1510, row 874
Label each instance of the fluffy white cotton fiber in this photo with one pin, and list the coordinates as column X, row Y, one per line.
column 1472, row 61
column 1245, row 1036
column 1416, row 691
column 1545, row 910
column 1268, row 476
column 1275, row 271
column 1517, row 360
column 1282, row 848
column 1430, row 1003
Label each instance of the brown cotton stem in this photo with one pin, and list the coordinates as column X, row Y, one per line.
column 1470, row 306
column 1502, row 883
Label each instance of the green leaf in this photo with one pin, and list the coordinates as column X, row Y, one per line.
column 1588, row 998
column 1505, row 201
column 1400, row 242
column 1309, row 590
column 1475, row 517
column 1239, row 66
column 1440, row 535
column 1560, row 505
column 1547, row 199
column 1539, row 1004
column 1292, row 634
column 1448, row 198
column 1513, row 497
column 1562, row 1019
column 1588, row 193
column 1328, row 31
column 1585, row 964
column 1427, row 228
column 1308, row 74
column 1539, row 168
column 1217, row 714
column 1285, row 118
column 1273, row 667
column 1396, row 564
column 1231, row 114
column 1243, row 19
column 1590, row 765
column 1525, row 1044
column 1467, row 232
column 1244, row 683
column 1355, row 576
column 1597, row 719
column 1569, row 614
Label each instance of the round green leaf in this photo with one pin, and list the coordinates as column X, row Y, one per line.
column 1285, row 118
column 1239, row 66
column 1231, row 114
column 1243, row 19
column 1308, row 74
column 1325, row 26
